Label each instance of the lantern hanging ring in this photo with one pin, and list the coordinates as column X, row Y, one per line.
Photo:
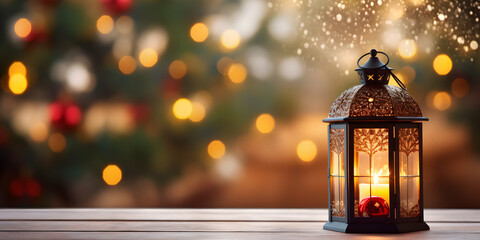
column 373, row 53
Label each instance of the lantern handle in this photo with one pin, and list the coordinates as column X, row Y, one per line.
column 400, row 83
column 373, row 53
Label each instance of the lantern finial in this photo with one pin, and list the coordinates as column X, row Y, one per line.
column 375, row 71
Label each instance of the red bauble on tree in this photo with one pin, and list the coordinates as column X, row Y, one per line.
column 65, row 115
column 373, row 207
column 117, row 7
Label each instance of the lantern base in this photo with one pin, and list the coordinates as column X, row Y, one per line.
column 376, row 227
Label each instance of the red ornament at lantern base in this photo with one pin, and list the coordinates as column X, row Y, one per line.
column 373, row 207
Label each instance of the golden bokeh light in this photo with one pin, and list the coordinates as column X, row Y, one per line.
column 395, row 13
column 216, row 149
column 39, row 132
column 230, row 39
column 223, row 64
column 17, row 84
column 177, row 69
column 57, row 142
column 124, row 24
column 17, row 68
column 442, row 64
column 306, row 150
column 442, row 101
column 127, row 65
column 105, row 24
column 265, row 123
column 22, row 27
column 182, row 108
column 198, row 112
column 199, row 32
column 148, row 57
column 460, row 87
column 407, row 48
column 112, row 174
column 237, row 73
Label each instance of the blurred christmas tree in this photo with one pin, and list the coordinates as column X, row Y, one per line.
column 143, row 86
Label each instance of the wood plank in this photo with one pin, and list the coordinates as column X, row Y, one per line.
column 172, row 226
column 438, row 231
column 431, row 215
column 166, row 214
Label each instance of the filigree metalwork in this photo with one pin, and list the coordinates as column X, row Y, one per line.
column 403, row 103
column 388, row 101
column 380, row 106
column 338, row 208
column 371, row 140
column 337, row 141
column 337, row 145
column 408, row 140
column 341, row 105
column 409, row 212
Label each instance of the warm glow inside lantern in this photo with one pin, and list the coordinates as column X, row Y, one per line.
column 375, row 157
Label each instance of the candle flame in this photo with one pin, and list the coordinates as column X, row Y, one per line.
column 382, row 172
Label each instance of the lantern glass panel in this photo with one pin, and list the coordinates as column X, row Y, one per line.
column 408, row 145
column 338, row 196
column 371, row 166
column 337, row 172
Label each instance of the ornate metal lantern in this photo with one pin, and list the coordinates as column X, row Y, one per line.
column 375, row 158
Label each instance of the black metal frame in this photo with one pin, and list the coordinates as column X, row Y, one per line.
column 394, row 223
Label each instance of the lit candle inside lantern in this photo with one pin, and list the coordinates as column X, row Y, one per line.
column 379, row 190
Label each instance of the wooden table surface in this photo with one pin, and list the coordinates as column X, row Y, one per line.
column 143, row 223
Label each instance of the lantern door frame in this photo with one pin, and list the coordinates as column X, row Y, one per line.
column 331, row 218
column 351, row 177
column 420, row 217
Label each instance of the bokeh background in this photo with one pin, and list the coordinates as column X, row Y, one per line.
column 219, row 103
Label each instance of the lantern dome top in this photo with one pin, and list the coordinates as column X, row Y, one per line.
column 374, row 99
column 375, row 102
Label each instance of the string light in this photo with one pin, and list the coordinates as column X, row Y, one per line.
column 199, row 32
column 198, row 112
column 112, row 174
column 127, row 65
column 223, row 64
column 265, row 123
column 39, row 132
column 442, row 101
column 105, row 24
column 17, row 84
column 182, row 108
column 17, row 68
column 216, row 149
column 442, row 64
column 177, row 69
column 124, row 24
column 148, row 57
column 306, row 150
column 230, row 39
column 237, row 73
column 22, row 27
column 57, row 142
